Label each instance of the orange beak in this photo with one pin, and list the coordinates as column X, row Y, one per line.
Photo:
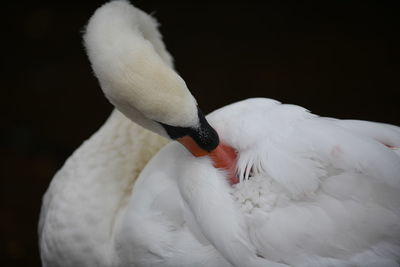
column 223, row 156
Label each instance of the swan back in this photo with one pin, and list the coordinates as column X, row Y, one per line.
column 314, row 192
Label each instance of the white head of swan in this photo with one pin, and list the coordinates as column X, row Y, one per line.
column 136, row 75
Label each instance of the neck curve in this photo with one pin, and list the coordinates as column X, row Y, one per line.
column 135, row 70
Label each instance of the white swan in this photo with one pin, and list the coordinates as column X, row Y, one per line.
column 314, row 191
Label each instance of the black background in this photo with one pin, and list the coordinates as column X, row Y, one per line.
column 338, row 59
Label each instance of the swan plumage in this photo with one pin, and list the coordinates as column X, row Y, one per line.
column 305, row 198
column 90, row 190
column 313, row 191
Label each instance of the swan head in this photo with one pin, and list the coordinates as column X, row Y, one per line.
column 136, row 75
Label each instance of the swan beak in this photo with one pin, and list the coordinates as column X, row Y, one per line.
column 223, row 156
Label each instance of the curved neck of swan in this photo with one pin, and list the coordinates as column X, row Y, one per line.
column 134, row 69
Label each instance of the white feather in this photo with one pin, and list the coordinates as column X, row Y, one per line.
column 340, row 217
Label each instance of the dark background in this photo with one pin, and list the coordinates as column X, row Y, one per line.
column 336, row 59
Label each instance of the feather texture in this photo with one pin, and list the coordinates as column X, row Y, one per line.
column 309, row 199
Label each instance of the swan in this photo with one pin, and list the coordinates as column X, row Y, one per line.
column 255, row 183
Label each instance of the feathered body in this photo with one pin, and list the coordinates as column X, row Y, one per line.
column 314, row 192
